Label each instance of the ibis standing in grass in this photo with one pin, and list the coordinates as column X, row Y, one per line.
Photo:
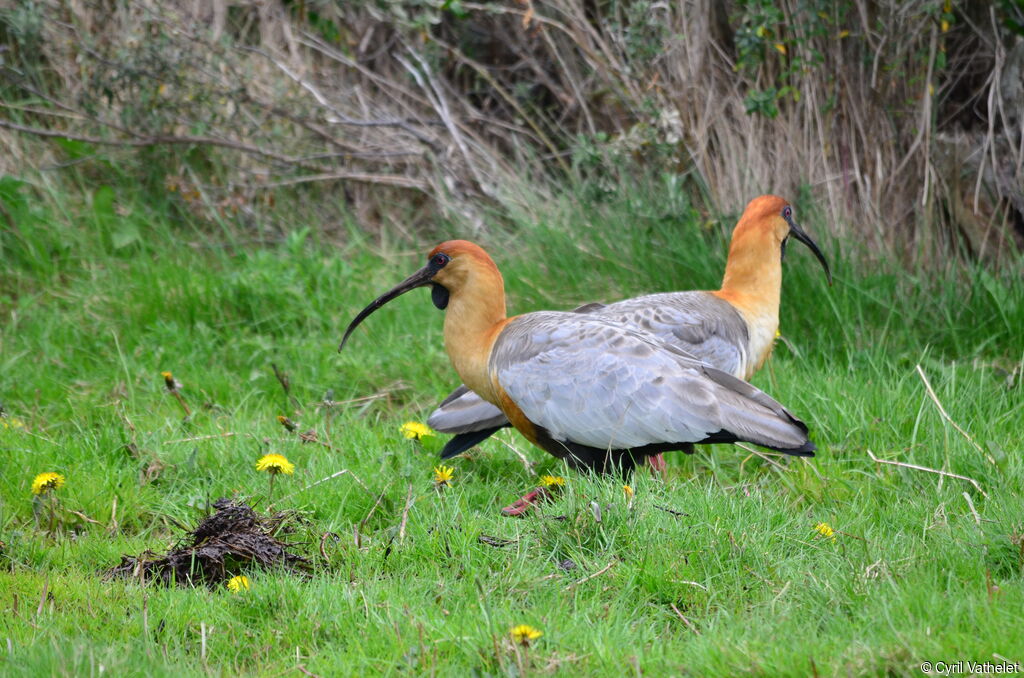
column 594, row 392
column 732, row 328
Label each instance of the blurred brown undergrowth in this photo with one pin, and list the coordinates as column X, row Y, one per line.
column 903, row 120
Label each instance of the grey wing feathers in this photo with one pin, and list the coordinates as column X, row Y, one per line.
column 605, row 385
column 592, row 307
column 700, row 323
column 465, row 412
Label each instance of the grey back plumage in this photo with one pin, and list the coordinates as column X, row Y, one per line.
column 701, row 324
column 605, row 385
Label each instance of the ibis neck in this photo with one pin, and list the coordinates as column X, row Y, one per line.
column 473, row 319
column 753, row 272
column 753, row 285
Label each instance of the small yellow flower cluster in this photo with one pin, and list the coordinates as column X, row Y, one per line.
column 275, row 463
column 628, row 491
column 45, row 482
column 825, row 530
column 551, row 482
column 523, row 634
column 11, row 422
column 443, row 475
column 413, row 430
column 238, row 583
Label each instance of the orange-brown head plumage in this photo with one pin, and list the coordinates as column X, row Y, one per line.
column 758, row 241
column 455, row 248
column 469, row 265
column 762, row 217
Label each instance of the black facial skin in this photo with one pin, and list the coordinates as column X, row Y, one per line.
column 439, row 295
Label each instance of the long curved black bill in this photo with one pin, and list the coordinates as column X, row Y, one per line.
column 802, row 236
column 418, row 279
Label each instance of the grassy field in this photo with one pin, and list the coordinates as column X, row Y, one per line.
column 716, row 570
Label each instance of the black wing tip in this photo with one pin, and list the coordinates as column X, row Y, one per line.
column 453, row 448
column 461, row 442
column 806, row 450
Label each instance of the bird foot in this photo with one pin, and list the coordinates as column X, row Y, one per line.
column 528, row 501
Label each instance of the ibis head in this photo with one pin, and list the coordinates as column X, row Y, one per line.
column 770, row 219
column 452, row 267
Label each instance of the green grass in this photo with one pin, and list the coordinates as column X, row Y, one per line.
column 89, row 322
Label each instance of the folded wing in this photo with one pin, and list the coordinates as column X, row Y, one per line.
column 605, row 385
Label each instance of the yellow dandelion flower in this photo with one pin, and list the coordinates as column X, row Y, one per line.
column 443, row 475
column 238, row 584
column 45, row 482
column 274, row 464
column 413, row 430
column 778, row 333
column 552, row 481
column 780, row 48
column 825, row 530
column 628, row 491
column 11, row 422
column 523, row 634
column 170, row 382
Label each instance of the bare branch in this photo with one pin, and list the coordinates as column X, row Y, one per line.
column 325, row 174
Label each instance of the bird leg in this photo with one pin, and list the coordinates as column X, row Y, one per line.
column 657, row 464
column 529, row 500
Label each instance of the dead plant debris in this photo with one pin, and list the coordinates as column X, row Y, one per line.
column 233, row 539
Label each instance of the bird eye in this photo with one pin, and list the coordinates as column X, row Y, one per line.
column 439, row 260
column 787, row 212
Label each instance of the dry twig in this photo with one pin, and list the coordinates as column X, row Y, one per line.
column 689, row 624
column 405, row 515
column 916, row 467
column 942, row 411
column 604, row 569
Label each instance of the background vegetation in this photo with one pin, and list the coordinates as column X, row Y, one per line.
column 216, row 188
column 902, row 120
